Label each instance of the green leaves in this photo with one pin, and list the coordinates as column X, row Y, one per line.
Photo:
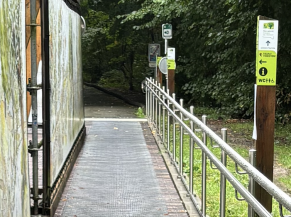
column 215, row 42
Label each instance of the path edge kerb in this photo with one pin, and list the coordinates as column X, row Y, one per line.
column 130, row 102
column 181, row 190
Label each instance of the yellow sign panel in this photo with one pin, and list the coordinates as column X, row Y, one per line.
column 266, row 52
column 266, row 68
column 171, row 64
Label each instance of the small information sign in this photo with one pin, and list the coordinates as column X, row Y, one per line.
column 266, row 60
column 153, row 51
column 171, row 53
column 167, row 31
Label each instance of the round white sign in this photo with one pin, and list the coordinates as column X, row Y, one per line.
column 163, row 66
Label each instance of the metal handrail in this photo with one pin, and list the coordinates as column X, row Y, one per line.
column 154, row 92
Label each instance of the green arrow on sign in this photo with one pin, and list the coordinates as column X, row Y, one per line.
column 261, row 61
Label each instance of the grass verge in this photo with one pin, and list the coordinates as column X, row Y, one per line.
column 241, row 130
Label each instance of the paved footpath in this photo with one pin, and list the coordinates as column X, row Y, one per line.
column 119, row 172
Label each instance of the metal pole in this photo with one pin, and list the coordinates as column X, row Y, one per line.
column 156, row 106
column 181, row 141
column 222, row 178
column 252, row 160
column 156, row 72
column 191, row 153
column 166, row 46
column 159, row 118
column 168, row 124
column 45, row 105
column 174, row 130
column 34, row 104
column 163, row 117
column 204, row 158
column 167, row 82
column 147, row 101
column 151, row 103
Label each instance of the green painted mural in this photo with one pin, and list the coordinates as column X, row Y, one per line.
column 67, row 113
column 14, row 185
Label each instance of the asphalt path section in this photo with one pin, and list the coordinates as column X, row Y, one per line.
column 98, row 104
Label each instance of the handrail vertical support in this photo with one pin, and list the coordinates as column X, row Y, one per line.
column 163, row 117
column 252, row 160
column 222, row 178
column 191, row 153
column 174, row 130
column 159, row 115
column 168, row 123
column 181, row 140
column 203, row 198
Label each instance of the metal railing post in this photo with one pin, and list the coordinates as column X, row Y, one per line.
column 191, row 153
column 156, row 105
column 34, row 145
column 150, row 101
column 168, row 123
column 159, row 116
column 174, row 129
column 222, row 178
column 152, row 104
column 204, row 158
column 181, row 140
column 163, row 117
column 147, row 100
column 252, row 160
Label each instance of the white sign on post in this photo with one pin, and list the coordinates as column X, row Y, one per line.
column 268, row 35
column 167, row 31
column 171, row 53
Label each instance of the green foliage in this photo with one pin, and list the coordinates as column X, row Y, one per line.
column 215, row 43
column 109, row 46
column 140, row 113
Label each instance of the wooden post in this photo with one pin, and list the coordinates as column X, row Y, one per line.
column 265, row 121
column 265, row 104
column 171, row 81
column 159, row 76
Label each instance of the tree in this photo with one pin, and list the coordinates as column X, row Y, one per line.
column 215, row 43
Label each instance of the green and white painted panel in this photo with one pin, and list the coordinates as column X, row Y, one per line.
column 14, row 182
column 67, row 113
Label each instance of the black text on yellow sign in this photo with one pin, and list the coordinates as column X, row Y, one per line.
column 266, row 68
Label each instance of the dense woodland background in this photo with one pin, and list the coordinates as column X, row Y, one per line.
column 215, row 43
